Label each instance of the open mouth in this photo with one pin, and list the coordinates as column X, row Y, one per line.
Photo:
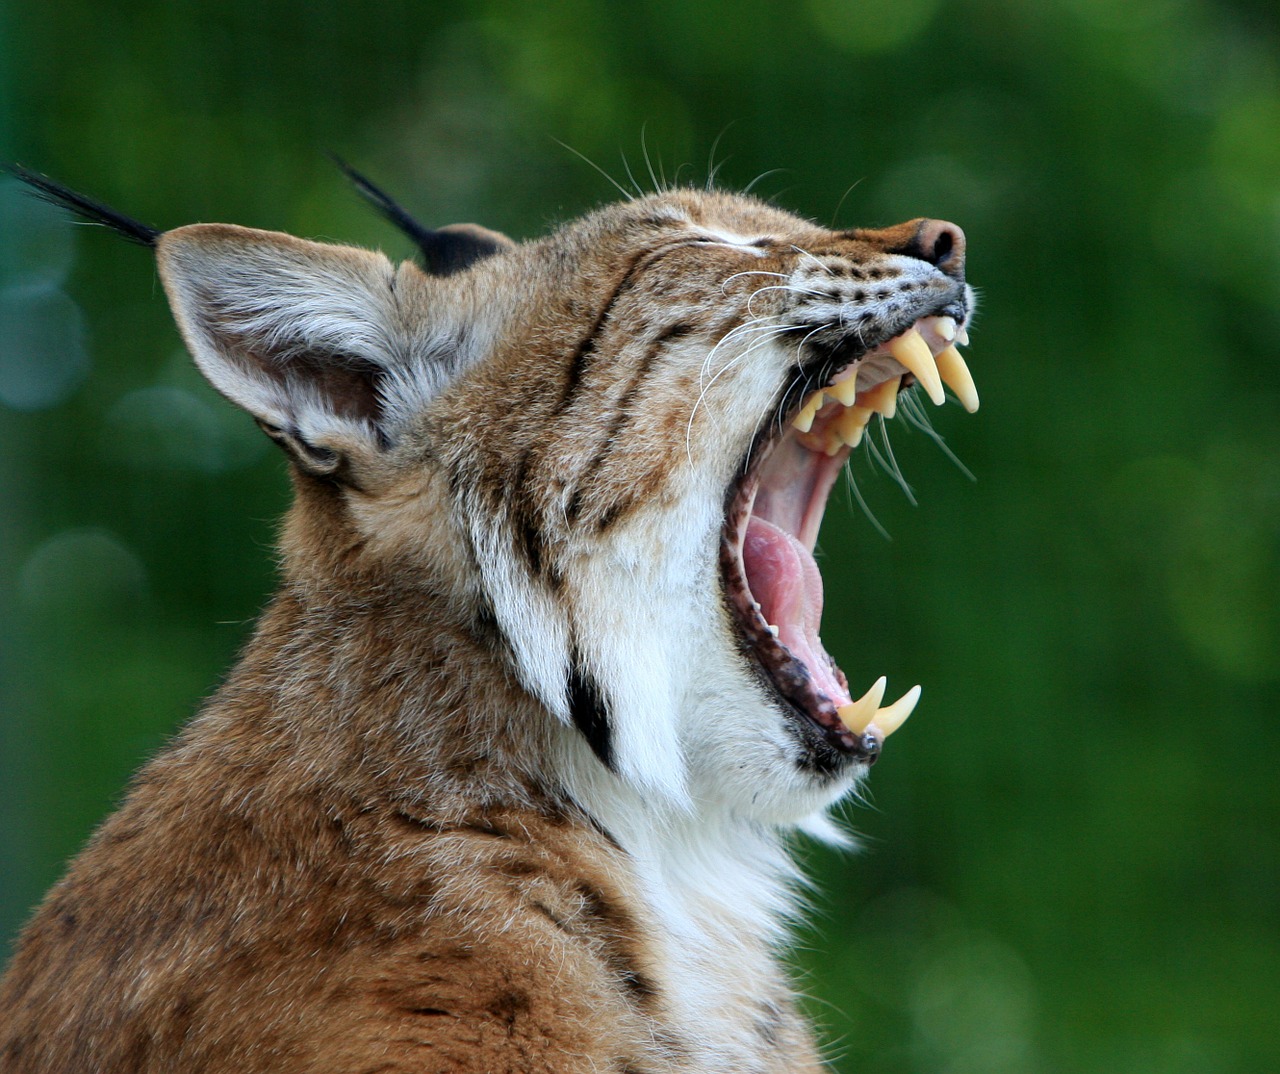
column 772, row 582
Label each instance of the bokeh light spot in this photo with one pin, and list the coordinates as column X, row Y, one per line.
column 42, row 353
column 170, row 428
column 81, row 574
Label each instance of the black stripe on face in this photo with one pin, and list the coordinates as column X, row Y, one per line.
column 589, row 712
column 586, row 347
column 622, row 413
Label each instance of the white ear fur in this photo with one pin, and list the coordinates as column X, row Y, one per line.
column 304, row 336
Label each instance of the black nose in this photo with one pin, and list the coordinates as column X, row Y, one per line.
column 942, row 244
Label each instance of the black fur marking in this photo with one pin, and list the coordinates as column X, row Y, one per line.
column 444, row 250
column 619, row 928
column 622, row 414
column 528, row 536
column 586, row 347
column 86, row 208
column 590, row 713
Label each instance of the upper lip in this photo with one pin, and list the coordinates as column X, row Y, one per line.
column 793, row 463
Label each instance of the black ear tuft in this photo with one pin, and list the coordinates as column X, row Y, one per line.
column 85, row 208
column 445, row 250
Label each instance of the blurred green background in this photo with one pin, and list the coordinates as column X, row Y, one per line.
column 1070, row 857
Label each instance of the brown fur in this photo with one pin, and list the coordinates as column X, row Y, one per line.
column 366, row 853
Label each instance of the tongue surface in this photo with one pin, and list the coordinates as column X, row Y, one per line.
column 786, row 582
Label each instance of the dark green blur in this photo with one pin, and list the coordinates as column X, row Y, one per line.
column 1070, row 859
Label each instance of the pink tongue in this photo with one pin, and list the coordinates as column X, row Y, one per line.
column 786, row 582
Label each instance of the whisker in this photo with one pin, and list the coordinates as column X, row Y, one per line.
column 648, row 161
column 887, row 461
column 866, row 510
column 821, row 264
column 702, row 393
column 918, row 417
column 713, row 168
column 626, row 164
column 750, row 272
column 760, row 178
column 759, row 324
column 582, row 156
column 840, row 203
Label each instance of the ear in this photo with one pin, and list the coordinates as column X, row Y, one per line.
column 456, row 247
column 306, row 337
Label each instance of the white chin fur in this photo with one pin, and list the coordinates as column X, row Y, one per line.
column 693, row 731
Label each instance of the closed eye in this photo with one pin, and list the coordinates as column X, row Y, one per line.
column 754, row 246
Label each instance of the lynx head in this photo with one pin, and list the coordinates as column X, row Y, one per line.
column 613, row 445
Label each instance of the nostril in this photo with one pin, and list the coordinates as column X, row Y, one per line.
column 941, row 243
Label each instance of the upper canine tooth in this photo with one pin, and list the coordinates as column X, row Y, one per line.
column 846, row 390
column 890, row 718
column 945, row 327
column 883, row 398
column 913, row 352
column 857, row 715
column 955, row 374
column 804, row 420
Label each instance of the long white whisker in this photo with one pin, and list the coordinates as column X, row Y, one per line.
column 582, row 156
column 702, row 394
column 822, row 265
column 788, row 287
column 887, row 462
column 626, row 164
column 648, row 161
column 917, row 416
column 766, row 332
column 751, row 272
column 866, row 510
column 758, row 324
column 760, row 178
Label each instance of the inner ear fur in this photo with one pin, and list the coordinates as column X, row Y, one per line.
column 302, row 335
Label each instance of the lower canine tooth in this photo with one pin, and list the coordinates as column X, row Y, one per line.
column 890, row 718
column 852, row 424
column 955, row 374
column 913, row 352
column 857, row 715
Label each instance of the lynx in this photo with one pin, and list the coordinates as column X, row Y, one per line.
column 505, row 778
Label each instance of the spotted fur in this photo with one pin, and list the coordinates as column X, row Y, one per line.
column 494, row 786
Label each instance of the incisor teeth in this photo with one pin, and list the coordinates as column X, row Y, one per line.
column 883, row 398
column 889, row 719
column 913, row 352
column 962, row 336
column 955, row 374
column 945, row 327
column 852, row 424
column 857, row 715
column 804, row 420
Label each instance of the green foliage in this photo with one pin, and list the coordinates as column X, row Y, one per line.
column 1070, row 858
